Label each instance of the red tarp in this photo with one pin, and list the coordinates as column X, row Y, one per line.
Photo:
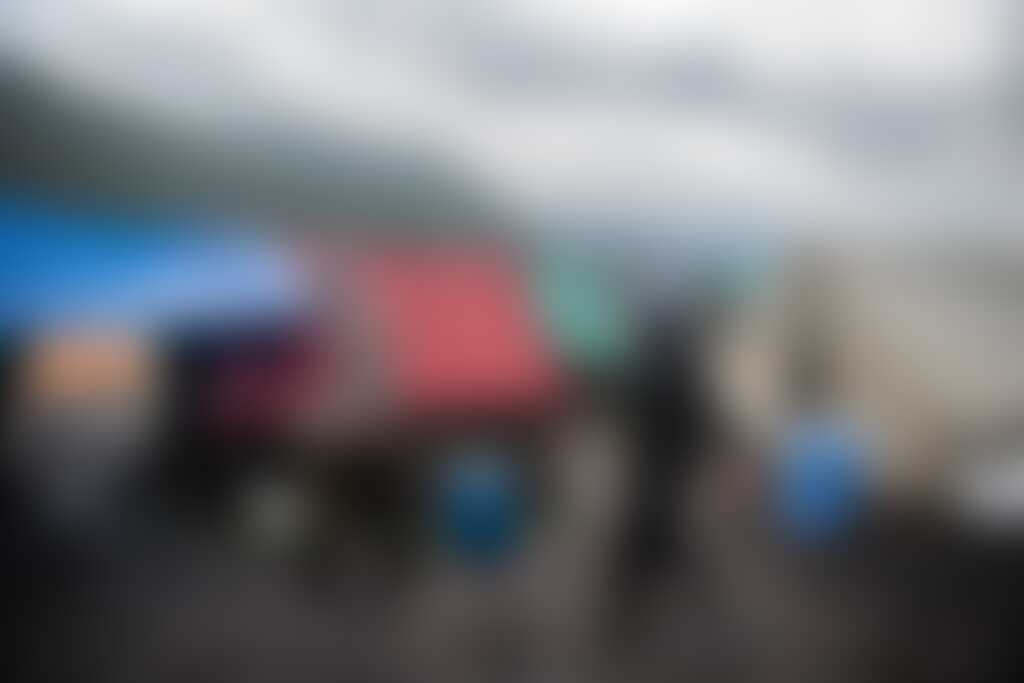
column 455, row 329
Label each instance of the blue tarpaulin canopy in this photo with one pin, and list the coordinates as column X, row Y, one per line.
column 59, row 267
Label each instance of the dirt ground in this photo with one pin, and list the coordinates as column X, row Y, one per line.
column 898, row 603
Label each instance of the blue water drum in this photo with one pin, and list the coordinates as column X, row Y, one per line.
column 821, row 485
column 481, row 507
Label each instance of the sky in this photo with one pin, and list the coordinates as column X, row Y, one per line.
column 870, row 118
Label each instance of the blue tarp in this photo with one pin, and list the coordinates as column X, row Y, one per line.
column 63, row 267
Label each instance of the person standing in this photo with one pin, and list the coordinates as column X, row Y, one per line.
column 673, row 424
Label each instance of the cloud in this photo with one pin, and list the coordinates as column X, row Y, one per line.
column 868, row 111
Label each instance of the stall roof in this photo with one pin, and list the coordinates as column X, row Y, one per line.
column 64, row 267
column 585, row 315
column 457, row 326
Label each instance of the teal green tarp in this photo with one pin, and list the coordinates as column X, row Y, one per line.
column 584, row 314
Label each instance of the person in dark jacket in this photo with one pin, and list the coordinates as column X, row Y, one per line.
column 673, row 422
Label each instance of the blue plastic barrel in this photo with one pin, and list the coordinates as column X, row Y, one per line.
column 821, row 485
column 481, row 508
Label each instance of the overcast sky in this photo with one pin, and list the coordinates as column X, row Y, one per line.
column 873, row 115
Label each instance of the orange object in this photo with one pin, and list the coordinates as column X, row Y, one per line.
column 87, row 365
